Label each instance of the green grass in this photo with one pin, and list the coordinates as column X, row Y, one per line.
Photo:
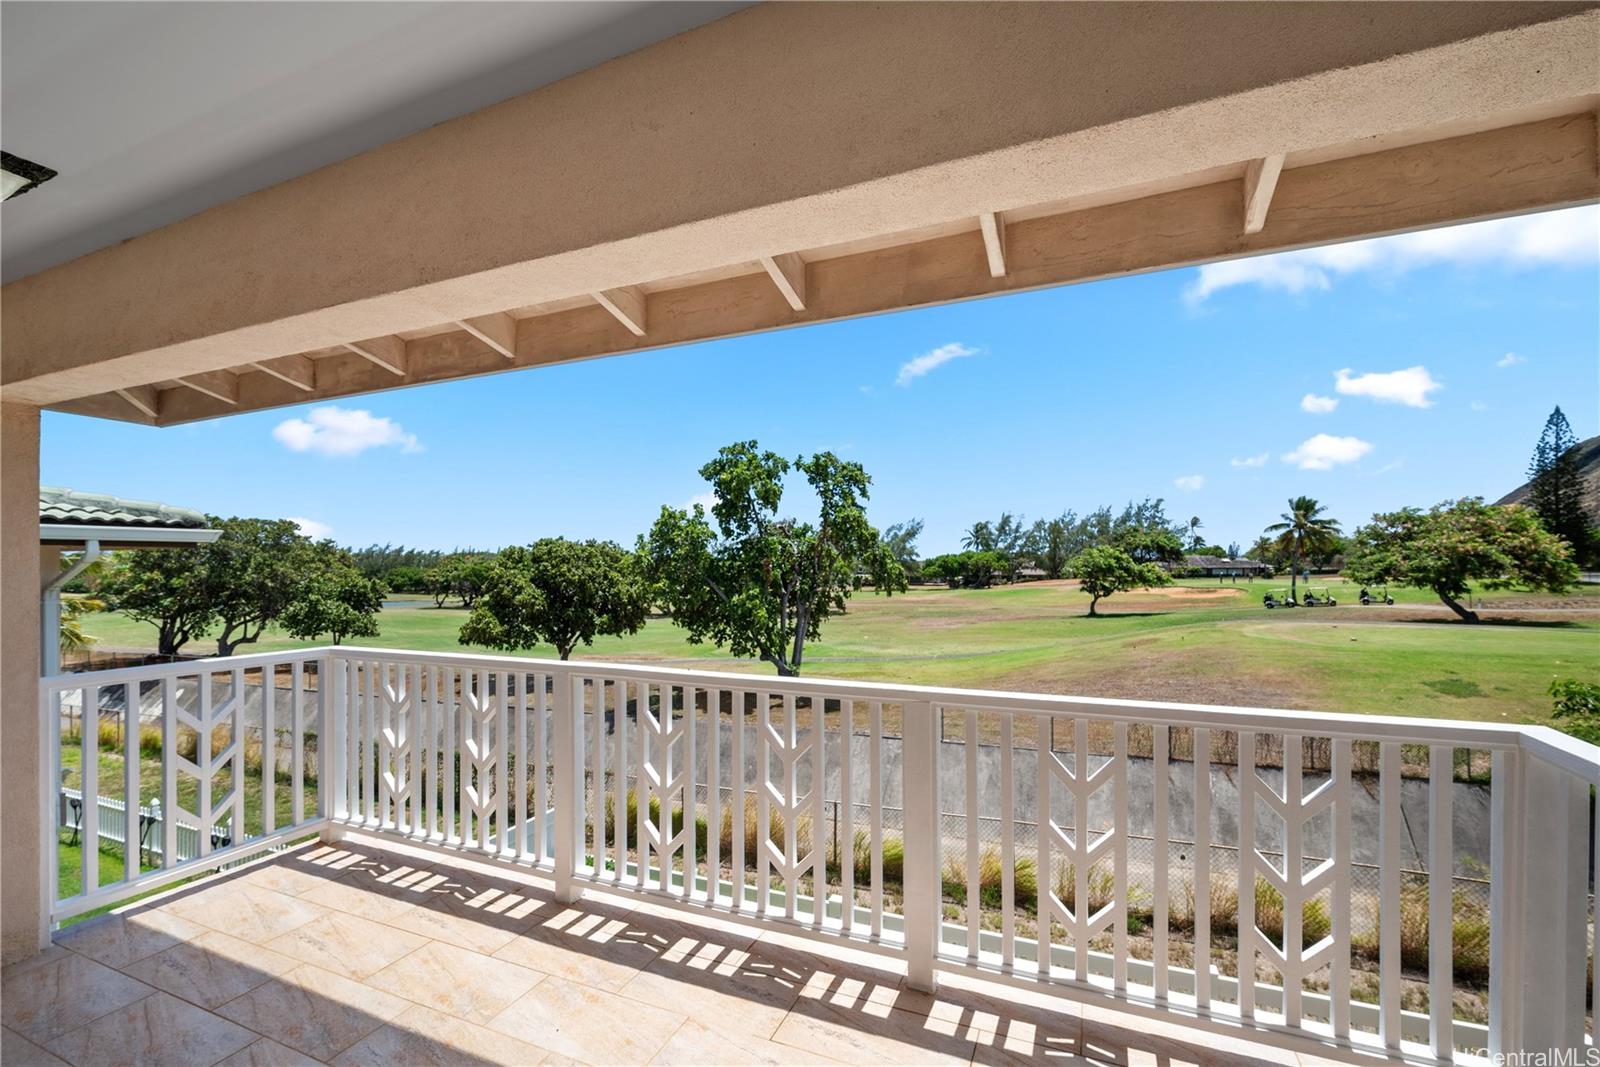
column 1200, row 641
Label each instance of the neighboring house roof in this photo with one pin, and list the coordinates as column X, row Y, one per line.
column 67, row 516
column 98, row 509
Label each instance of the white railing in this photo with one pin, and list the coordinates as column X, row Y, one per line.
column 219, row 745
column 1084, row 830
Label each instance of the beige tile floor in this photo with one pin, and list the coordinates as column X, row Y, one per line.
column 366, row 953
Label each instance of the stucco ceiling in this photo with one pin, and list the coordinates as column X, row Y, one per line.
column 154, row 111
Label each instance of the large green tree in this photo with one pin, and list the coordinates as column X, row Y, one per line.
column 1106, row 569
column 1555, row 484
column 558, row 592
column 1459, row 542
column 165, row 587
column 333, row 597
column 1305, row 530
column 252, row 573
column 759, row 583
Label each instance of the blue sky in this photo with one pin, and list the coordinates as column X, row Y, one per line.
column 1369, row 375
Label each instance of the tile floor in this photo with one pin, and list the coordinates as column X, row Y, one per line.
column 367, row 953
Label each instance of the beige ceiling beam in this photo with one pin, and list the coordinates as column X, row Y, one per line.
column 1477, row 176
column 386, row 352
column 145, row 399
column 1260, row 181
column 298, row 371
column 220, row 385
column 1174, row 97
column 627, row 306
column 788, row 273
column 498, row 331
column 994, row 242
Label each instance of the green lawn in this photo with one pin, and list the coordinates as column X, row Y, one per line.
column 1200, row 641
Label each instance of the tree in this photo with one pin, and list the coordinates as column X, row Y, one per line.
column 1576, row 708
column 1149, row 544
column 74, row 607
column 165, row 587
column 1009, row 539
column 758, row 583
column 1304, row 530
column 966, row 570
column 333, row 597
column 979, row 538
column 1144, row 532
column 1105, row 569
column 1194, row 526
column 1459, row 542
column 1055, row 543
column 1555, row 483
column 1233, row 550
column 901, row 541
column 404, row 578
column 251, row 574
column 463, row 575
column 558, row 592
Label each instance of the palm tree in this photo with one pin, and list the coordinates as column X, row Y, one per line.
column 980, row 538
column 1304, row 529
column 73, row 609
column 1194, row 532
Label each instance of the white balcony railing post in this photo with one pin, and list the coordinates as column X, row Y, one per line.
column 920, row 728
column 567, row 804
column 1538, row 907
column 331, row 800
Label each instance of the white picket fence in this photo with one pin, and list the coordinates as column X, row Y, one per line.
column 113, row 825
column 601, row 775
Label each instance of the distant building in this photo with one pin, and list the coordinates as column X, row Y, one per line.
column 1217, row 567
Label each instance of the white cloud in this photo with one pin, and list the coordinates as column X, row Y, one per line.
column 1318, row 405
column 1324, row 452
column 311, row 527
column 1249, row 461
column 335, row 431
column 707, row 500
column 1189, row 483
column 1478, row 405
column 1409, row 387
column 928, row 361
column 1510, row 359
column 1559, row 238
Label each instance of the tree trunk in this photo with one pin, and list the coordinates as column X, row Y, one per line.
column 1466, row 614
column 1092, row 602
column 1294, row 570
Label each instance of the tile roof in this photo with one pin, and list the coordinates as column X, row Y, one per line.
column 69, row 507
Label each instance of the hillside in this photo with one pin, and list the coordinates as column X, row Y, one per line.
column 1589, row 465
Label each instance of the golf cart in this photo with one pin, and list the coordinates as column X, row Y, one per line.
column 1278, row 598
column 1380, row 597
column 1312, row 600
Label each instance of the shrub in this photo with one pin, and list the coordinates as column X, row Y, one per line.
column 1025, row 879
column 1577, row 708
column 752, row 831
column 894, row 859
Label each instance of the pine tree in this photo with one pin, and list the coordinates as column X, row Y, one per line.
column 1555, row 488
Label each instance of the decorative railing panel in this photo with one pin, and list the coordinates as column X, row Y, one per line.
column 1332, row 878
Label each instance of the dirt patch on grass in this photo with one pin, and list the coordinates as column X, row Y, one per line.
column 1178, row 675
column 1189, row 592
